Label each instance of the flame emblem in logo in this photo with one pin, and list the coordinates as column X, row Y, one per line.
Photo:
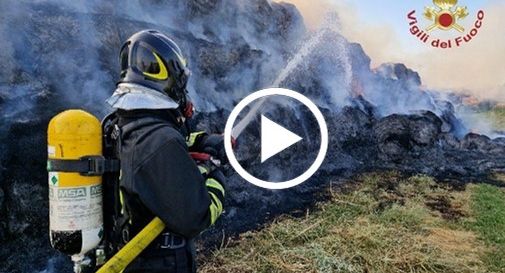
column 446, row 15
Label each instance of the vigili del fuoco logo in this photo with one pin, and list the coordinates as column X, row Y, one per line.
column 446, row 15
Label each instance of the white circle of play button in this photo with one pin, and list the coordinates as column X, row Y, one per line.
column 271, row 131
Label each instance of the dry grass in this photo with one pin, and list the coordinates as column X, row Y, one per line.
column 384, row 223
column 462, row 246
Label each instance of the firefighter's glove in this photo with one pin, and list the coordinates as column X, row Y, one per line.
column 212, row 171
column 212, row 144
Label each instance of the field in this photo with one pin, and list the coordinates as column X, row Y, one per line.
column 384, row 223
column 497, row 117
column 380, row 223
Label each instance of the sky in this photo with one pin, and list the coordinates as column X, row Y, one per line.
column 382, row 28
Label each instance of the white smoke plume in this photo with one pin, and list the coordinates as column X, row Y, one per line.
column 477, row 68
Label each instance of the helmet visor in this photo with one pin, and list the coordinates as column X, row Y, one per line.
column 150, row 64
column 123, row 57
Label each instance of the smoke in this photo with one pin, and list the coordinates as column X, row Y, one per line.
column 393, row 88
column 57, row 55
column 64, row 53
column 475, row 68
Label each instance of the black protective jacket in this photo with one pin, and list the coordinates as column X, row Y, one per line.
column 158, row 176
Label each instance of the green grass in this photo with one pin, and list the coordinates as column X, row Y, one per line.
column 497, row 117
column 382, row 223
column 488, row 204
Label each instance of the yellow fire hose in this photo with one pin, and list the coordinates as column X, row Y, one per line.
column 133, row 248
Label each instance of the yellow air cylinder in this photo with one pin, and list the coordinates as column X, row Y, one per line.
column 75, row 199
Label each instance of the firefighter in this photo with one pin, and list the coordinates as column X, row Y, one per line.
column 158, row 176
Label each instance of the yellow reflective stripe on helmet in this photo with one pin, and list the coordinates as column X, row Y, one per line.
column 216, row 208
column 192, row 138
column 213, row 183
column 163, row 74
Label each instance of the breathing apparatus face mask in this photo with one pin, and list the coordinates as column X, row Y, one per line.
column 189, row 109
column 179, row 91
column 185, row 112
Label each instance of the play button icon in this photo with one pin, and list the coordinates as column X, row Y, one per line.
column 275, row 138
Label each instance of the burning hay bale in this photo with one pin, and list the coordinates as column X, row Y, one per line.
column 398, row 135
